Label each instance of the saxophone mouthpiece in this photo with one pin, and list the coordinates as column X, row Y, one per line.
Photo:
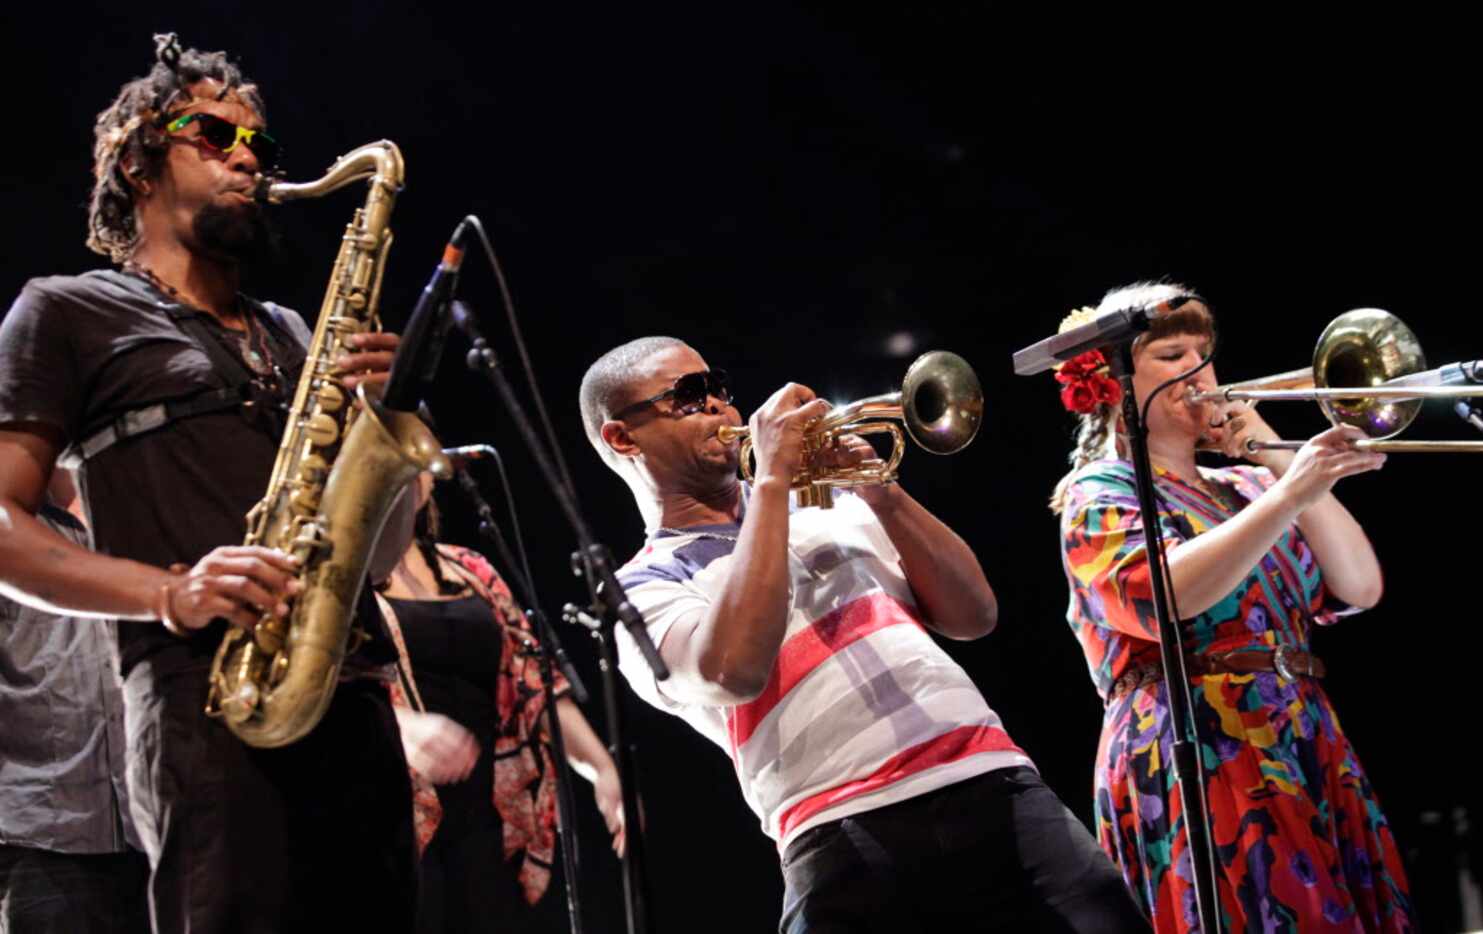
column 262, row 188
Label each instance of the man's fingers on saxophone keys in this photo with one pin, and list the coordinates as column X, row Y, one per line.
column 370, row 361
column 199, row 599
column 271, row 577
column 245, row 591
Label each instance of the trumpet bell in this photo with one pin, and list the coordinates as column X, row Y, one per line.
column 1365, row 348
column 942, row 402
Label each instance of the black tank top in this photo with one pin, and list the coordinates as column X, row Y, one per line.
column 455, row 649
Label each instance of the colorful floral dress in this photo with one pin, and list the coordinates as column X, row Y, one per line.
column 1300, row 842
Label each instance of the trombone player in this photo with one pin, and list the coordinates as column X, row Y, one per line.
column 798, row 642
column 1257, row 557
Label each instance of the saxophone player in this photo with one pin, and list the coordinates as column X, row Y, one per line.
column 167, row 385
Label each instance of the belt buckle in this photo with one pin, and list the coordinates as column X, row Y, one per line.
column 1282, row 662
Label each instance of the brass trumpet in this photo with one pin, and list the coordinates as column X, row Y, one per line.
column 940, row 403
column 1368, row 371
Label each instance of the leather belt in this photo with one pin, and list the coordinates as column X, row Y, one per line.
column 1287, row 662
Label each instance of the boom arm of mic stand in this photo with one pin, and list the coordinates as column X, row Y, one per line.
column 524, row 589
column 616, row 607
column 596, row 565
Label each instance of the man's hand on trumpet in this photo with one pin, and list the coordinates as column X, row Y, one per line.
column 849, row 451
column 778, row 429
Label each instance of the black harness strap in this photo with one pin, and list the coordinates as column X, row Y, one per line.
column 226, row 368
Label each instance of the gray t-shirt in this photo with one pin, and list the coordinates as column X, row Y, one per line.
column 61, row 727
column 79, row 351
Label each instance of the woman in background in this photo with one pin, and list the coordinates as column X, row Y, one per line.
column 471, row 709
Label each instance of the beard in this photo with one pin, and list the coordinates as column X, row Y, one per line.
column 240, row 233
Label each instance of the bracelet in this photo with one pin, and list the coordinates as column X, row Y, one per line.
column 164, row 605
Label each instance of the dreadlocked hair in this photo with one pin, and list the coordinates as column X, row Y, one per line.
column 129, row 138
column 1096, row 431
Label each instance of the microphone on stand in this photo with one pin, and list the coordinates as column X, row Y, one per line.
column 1469, row 414
column 1114, row 327
column 479, row 355
column 1453, row 374
column 421, row 349
column 461, row 457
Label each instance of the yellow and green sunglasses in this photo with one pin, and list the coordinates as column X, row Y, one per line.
column 222, row 136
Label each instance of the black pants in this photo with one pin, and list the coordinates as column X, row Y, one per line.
column 998, row 852
column 468, row 887
column 42, row 892
column 315, row 836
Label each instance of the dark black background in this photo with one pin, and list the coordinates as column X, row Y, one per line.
column 786, row 187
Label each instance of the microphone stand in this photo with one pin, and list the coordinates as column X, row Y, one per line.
column 1187, row 767
column 545, row 645
column 591, row 562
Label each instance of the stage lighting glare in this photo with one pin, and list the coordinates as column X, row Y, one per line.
column 901, row 344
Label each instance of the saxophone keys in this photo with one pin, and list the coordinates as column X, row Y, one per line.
column 313, row 470
column 268, row 635
column 322, row 430
column 331, row 397
column 242, row 703
column 305, row 500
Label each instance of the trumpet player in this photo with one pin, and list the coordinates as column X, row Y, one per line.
column 1258, row 556
column 163, row 379
column 798, row 641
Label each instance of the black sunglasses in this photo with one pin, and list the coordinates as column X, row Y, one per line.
column 689, row 393
column 222, row 136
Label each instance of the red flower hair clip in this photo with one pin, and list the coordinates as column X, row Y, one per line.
column 1086, row 383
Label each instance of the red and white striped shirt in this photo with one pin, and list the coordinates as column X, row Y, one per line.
column 863, row 708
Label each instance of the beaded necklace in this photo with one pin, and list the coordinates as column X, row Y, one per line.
column 251, row 343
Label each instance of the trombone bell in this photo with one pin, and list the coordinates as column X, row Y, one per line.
column 1357, row 378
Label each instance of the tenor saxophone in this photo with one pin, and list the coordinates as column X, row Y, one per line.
column 339, row 469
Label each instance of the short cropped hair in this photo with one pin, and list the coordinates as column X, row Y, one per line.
column 605, row 384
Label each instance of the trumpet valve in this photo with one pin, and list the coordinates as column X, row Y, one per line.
column 815, row 494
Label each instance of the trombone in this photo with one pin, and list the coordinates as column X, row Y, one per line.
column 940, row 404
column 1368, row 371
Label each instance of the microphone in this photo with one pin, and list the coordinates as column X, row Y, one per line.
column 1453, row 374
column 461, row 457
column 1114, row 327
column 426, row 328
column 1469, row 414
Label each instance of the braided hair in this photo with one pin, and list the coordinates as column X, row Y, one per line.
column 1097, row 431
column 425, row 534
column 129, row 139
